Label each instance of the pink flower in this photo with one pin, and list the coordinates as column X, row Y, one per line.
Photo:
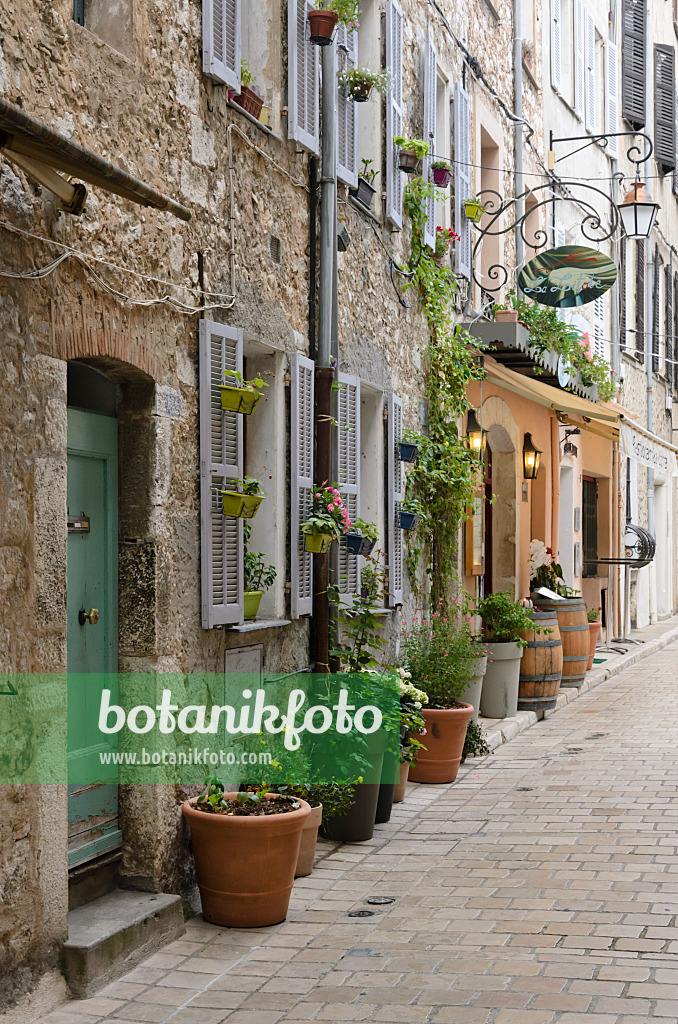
column 330, row 508
column 318, row 494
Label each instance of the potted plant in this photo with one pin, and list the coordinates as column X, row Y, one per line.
column 244, row 395
column 325, row 15
column 248, row 99
column 441, row 652
column 246, row 847
column 365, row 191
column 361, row 537
column 411, row 512
column 444, row 239
column 593, row 615
column 504, row 619
column 408, row 448
column 327, row 521
column 474, row 209
column 258, row 578
column 504, row 314
column 244, row 502
column 442, row 174
column 412, row 725
column 411, row 151
column 326, row 800
column 357, row 83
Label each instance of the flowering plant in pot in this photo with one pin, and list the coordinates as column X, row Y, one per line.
column 593, row 615
column 411, row 151
column 326, row 14
column 365, row 190
column 357, row 83
column 504, row 621
column 327, row 521
column 326, row 801
column 443, row 655
column 360, row 538
column 242, row 498
column 258, row 577
column 445, row 237
column 545, row 571
column 245, row 847
column 248, row 99
column 244, row 395
column 412, row 725
column 504, row 314
column 442, row 173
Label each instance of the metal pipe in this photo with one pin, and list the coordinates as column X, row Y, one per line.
column 518, row 111
column 328, row 205
column 649, row 359
column 312, row 248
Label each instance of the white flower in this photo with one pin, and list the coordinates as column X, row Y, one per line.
column 538, row 555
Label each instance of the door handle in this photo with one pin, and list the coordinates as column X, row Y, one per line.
column 92, row 616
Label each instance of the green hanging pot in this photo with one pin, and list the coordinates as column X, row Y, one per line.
column 240, row 506
column 474, row 211
column 319, row 543
column 242, row 400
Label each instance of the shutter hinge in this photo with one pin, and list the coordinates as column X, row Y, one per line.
column 287, row 380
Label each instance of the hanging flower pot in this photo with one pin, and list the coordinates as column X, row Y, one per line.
column 240, row 506
column 408, row 161
column 243, row 400
column 442, row 176
column 407, row 452
column 252, row 602
column 322, row 24
column 409, row 520
column 474, row 210
column 250, row 101
column 319, row 543
column 356, row 544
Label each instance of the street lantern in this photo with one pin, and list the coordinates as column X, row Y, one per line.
column 475, row 434
column 637, row 211
column 531, row 458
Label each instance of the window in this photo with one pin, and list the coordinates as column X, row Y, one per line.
column 303, row 79
column 370, row 125
column 491, row 251
column 633, row 62
column 590, row 526
column 462, row 179
column 590, row 95
column 624, row 340
column 443, row 141
column 611, row 96
column 394, row 112
column 656, row 307
column 639, row 345
column 430, row 126
column 113, row 22
column 260, row 23
column 665, row 107
column 221, row 41
column 347, row 111
column 668, row 323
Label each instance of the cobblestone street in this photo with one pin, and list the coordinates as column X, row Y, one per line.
column 541, row 887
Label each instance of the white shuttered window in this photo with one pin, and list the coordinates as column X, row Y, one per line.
column 598, row 345
column 579, row 65
column 221, row 41
column 462, row 179
column 394, row 111
column 430, row 119
column 221, row 462
column 347, row 112
column 612, row 95
column 303, row 78
column 591, row 117
column 556, row 45
column 394, row 501
column 348, row 474
column 302, row 374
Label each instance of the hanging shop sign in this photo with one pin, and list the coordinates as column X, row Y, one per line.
column 649, row 453
column 570, row 275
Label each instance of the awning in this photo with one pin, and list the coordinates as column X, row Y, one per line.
column 596, row 418
column 41, row 152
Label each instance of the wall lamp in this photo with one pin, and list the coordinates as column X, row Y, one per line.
column 531, row 458
column 477, row 437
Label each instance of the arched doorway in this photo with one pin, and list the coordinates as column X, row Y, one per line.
column 502, row 521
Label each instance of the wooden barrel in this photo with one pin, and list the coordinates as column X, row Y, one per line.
column 541, row 665
column 574, row 633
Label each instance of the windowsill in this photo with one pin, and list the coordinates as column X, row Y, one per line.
column 530, row 74
column 257, row 624
column 259, row 124
column 375, row 611
column 566, row 103
column 350, row 201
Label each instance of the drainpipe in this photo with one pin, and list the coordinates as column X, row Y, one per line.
column 324, row 371
column 649, row 358
column 518, row 111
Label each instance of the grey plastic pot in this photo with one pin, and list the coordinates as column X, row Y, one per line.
column 499, row 698
column 472, row 693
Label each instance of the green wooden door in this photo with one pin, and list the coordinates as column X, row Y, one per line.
column 92, row 642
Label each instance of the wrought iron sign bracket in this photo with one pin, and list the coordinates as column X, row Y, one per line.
column 633, row 153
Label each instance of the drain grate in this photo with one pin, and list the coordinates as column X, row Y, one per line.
column 524, row 789
column 361, row 913
column 379, row 901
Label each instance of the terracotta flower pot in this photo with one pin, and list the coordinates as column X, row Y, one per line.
column 594, row 632
column 322, row 24
column 309, row 838
column 408, row 161
column 401, row 787
column 250, row 101
column 444, row 742
column 245, row 864
column 506, row 316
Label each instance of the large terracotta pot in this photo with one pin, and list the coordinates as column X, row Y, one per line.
column 444, row 741
column 401, row 786
column 245, row 865
column 309, row 838
column 541, row 666
column 499, row 698
column 594, row 632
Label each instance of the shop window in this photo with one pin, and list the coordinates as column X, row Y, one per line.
column 590, row 526
column 110, row 20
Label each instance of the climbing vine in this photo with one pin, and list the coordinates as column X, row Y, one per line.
column 446, row 475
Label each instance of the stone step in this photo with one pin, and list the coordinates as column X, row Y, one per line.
column 112, row 934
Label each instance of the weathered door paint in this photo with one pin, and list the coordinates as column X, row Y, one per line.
column 92, row 646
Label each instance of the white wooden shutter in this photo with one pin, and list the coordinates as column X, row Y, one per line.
column 556, row 45
column 347, row 112
column 221, row 41
column 462, row 179
column 591, row 119
column 302, row 381
column 430, row 120
column 598, row 346
column 559, row 235
column 348, row 475
column 675, row 172
column 394, row 487
column 394, row 112
column 221, row 462
column 612, row 95
column 579, row 62
column 303, row 79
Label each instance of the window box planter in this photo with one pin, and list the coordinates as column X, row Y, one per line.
column 474, row 211
column 364, row 193
column 241, row 506
column 407, row 452
column 322, row 25
column 409, row 520
column 506, row 316
column 319, row 543
column 356, row 544
column 243, row 400
column 252, row 602
column 250, row 101
column 408, row 161
column 442, row 176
